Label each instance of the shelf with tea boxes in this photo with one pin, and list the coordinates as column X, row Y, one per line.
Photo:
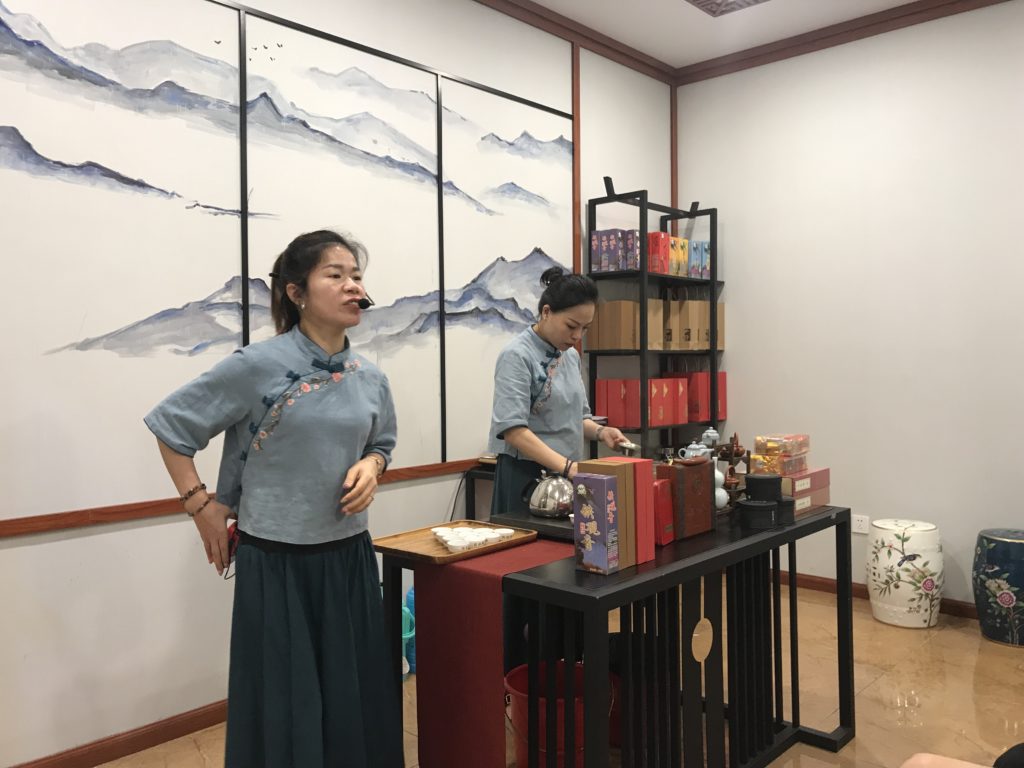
column 654, row 346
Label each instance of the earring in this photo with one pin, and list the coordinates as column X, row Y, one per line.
column 302, row 307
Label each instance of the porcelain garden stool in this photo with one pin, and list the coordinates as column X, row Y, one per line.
column 998, row 577
column 904, row 570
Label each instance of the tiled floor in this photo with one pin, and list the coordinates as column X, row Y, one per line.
column 943, row 690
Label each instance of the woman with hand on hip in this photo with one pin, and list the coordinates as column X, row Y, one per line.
column 309, row 427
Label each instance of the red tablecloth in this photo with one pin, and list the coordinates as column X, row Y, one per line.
column 460, row 682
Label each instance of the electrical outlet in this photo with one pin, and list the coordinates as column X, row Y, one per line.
column 860, row 523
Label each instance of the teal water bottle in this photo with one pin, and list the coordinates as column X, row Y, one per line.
column 410, row 646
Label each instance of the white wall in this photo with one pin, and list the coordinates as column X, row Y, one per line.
column 111, row 628
column 625, row 133
column 870, row 200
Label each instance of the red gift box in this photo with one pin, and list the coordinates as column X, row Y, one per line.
column 658, row 252
column 808, row 481
column 632, row 402
column 643, row 501
column 661, row 404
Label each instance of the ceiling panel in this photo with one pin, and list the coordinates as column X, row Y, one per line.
column 678, row 33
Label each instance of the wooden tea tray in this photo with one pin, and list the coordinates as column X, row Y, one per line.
column 422, row 544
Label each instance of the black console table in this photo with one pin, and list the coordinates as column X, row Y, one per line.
column 665, row 689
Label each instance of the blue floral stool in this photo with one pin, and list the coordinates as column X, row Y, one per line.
column 904, row 569
column 998, row 578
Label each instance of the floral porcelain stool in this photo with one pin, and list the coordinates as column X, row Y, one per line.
column 998, row 577
column 904, row 572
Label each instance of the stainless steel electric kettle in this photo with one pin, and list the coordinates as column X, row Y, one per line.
column 552, row 496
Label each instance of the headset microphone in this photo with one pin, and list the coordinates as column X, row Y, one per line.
column 365, row 303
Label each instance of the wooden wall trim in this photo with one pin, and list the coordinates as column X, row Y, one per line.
column 562, row 26
column 828, row 37
column 80, row 518
column 130, row 742
column 823, row 584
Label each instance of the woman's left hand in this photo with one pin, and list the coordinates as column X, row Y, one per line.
column 611, row 437
column 361, row 484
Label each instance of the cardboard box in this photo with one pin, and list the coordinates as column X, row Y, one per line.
column 697, row 312
column 656, row 324
column 664, row 531
column 701, row 323
column 673, row 325
column 643, row 497
column 592, row 338
column 627, row 508
column 809, row 502
column 620, row 324
column 596, row 523
column 704, row 324
column 803, row 483
column 720, row 316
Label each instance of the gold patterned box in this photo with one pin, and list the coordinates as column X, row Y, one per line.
column 779, row 463
column 792, row 445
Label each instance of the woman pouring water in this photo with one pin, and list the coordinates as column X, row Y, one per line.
column 540, row 414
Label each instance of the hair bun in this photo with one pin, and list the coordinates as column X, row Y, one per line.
column 552, row 274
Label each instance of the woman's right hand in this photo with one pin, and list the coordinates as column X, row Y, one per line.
column 212, row 522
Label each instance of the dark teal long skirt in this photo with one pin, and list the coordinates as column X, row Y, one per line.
column 512, row 479
column 310, row 684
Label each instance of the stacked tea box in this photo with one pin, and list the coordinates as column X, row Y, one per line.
column 788, row 455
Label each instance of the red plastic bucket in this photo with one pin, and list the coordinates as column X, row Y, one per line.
column 517, row 687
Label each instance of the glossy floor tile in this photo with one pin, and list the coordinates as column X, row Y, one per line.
column 943, row 690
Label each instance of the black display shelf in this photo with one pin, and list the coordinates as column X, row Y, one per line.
column 634, row 352
column 667, row 426
column 633, row 274
column 661, row 361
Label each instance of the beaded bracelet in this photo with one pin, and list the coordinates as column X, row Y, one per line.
column 192, row 492
column 379, row 461
column 201, row 507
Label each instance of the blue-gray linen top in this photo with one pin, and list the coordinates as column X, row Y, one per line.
column 295, row 420
column 538, row 387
